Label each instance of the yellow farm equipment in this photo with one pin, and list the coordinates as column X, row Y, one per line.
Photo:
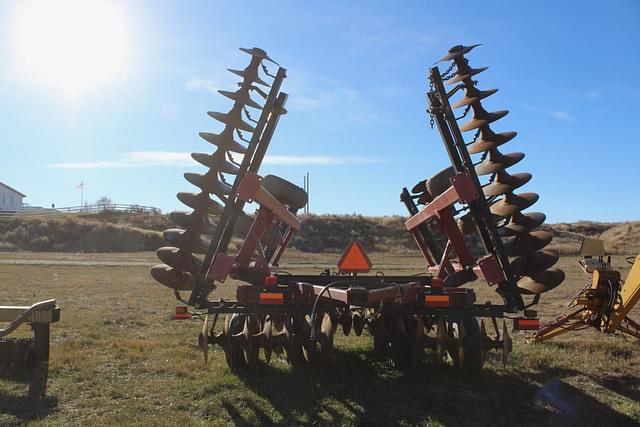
column 605, row 302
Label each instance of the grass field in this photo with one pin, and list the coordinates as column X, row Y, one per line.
column 116, row 358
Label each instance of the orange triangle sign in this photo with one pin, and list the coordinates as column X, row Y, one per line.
column 354, row 260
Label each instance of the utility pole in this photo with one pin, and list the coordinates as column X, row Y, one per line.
column 81, row 187
column 305, row 180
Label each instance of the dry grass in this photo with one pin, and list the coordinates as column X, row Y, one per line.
column 73, row 234
column 124, row 232
column 118, row 359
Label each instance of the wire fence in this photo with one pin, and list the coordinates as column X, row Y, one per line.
column 29, row 211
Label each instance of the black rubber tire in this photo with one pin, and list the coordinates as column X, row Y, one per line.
column 285, row 191
column 440, row 182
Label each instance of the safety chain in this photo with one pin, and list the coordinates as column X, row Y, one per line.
column 266, row 70
column 246, row 111
column 464, row 114
column 231, row 159
column 446, row 75
column 475, row 137
column 431, row 91
column 241, row 136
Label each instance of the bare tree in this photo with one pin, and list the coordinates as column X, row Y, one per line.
column 104, row 203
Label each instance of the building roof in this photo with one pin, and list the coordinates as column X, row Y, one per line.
column 12, row 189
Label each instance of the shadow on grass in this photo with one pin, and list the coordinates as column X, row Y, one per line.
column 625, row 385
column 359, row 390
column 24, row 408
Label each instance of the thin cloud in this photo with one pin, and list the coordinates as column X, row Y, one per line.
column 202, row 84
column 554, row 113
column 139, row 159
column 317, row 160
column 160, row 157
column 134, row 159
column 562, row 116
column 336, row 102
column 91, row 165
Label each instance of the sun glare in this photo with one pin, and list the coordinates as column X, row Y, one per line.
column 70, row 45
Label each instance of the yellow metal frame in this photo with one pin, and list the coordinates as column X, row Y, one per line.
column 629, row 296
column 593, row 307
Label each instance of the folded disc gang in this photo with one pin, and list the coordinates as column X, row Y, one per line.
column 481, row 117
column 488, row 139
column 505, row 183
column 224, row 141
column 200, row 201
column 496, row 162
column 541, row 282
column 172, row 278
column 513, row 203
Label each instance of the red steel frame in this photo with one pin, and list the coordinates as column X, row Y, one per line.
column 270, row 210
column 441, row 208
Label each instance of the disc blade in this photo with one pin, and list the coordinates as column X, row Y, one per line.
column 541, row 282
column 473, row 95
column 177, row 258
column 488, row 140
column 241, row 96
column 527, row 243
column 457, row 51
column 257, row 53
column 186, row 240
column 249, row 75
column 483, row 119
column 172, row 278
column 346, row 321
column 197, row 201
column 223, row 141
column 534, row 262
column 513, row 203
column 496, row 162
column 465, row 73
column 522, row 223
column 231, row 120
column 358, row 323
column 208, row 183
column 196, row 222
column 216, row 162
column 505, row 183
column 203, row 338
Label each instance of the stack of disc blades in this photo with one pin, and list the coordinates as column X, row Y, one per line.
column 180, row 259
column 523, row 241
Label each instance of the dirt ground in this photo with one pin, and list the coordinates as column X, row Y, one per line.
column 117, row 358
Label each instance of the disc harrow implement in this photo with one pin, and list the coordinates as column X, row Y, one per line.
column 477, row 193
column 411, row 318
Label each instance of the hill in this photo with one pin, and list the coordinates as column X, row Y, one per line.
column 124, row 232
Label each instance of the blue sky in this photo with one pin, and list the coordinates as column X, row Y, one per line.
column 356, row 121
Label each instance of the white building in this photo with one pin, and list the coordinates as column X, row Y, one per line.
column 10, row 199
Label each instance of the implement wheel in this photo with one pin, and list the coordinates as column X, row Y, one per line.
column 285, row 191
column 440, row 182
